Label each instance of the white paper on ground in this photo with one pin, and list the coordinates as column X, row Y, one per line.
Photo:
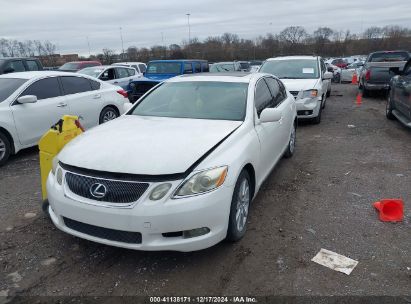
column 335, row 261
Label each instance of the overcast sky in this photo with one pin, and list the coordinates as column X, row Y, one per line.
column 68, row 23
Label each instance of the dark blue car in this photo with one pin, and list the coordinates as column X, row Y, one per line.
column 160, row 70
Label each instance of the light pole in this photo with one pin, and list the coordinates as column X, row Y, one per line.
column 122, row 43
column 189, row 32
column 88, row 43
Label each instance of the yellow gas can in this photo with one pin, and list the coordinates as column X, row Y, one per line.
column 51, row 143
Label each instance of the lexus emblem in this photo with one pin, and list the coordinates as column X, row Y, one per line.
column 98, row 190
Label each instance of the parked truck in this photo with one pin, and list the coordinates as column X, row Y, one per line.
column 376, row 74
column 160, row 70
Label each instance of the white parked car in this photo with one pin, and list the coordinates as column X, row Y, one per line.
column 140, row 67
column 117, row 75
column 182, row 166
column 307, row 78
column 31, row 102
column 347, row 74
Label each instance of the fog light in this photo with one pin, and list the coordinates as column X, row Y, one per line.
column 59, row 176
column 158, row 192
column 195, row 232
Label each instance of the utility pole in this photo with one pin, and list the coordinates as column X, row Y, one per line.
column 88, row 43
column 189, row 33
column 122, row 43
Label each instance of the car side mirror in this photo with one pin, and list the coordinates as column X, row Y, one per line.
column 270, row 115
column 8, row 70
column 103, row 78
column 328, row 75
column 27, row 99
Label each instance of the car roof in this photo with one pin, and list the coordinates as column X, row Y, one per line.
column 292, row 57
column 35, row 74
column 242, row 77
column 128, row 62
column 179, row 60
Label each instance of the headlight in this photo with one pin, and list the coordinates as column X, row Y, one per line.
column 55, row 163
column 203, row 181
column 158, row 192
column 307, row 94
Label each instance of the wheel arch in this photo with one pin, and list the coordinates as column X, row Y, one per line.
column 251, row 172
column 10, row 138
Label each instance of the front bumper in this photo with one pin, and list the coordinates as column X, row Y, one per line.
column 151, row 219
column 308, row 107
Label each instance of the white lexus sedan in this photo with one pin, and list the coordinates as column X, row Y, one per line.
column 31, row 102
column 181, row 167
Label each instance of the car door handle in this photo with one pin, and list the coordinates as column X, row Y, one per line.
column 61, row 105
column 115, row 82
column 97, row 96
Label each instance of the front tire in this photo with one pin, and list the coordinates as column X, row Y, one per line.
column 291, row 144
column 317, row 120
column 108, row 113
column 5, row 149
column 389, row 108
column 240, row 203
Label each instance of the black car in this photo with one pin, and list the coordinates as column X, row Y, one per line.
column 399, row 96
column 17, row 64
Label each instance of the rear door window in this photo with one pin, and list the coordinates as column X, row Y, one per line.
column 188, row 68
column 197, row 67
column 205, row 67
column 131, row 72
column 95, row 85
column 32, row 65
column 44, row 88
column 122, row 73
column 74, row 85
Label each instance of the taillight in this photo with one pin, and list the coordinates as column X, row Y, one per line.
column 123, row 92
column 368, row 75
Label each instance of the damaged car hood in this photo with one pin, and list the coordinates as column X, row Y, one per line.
column 299, row 84
column 146, row 145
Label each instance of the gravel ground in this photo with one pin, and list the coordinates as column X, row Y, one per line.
column 320, row 198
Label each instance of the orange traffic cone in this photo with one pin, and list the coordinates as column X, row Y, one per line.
column 391, row 210
column 354, row 79
column 359, row 98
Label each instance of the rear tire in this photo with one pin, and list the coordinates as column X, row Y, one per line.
column 291, row 144
column 5, row 149
column 240, row 203
column 365, row 92
column 108, row 113
column 389, row 107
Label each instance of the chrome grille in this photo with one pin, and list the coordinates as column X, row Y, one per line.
column 117, row 191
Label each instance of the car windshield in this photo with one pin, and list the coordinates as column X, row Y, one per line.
column 292, row 68
column 93, row 71
column 222, row 67
column 393, row 56
column 8, row 86
column 197, row 100
column 164, row 68
column 70, row 66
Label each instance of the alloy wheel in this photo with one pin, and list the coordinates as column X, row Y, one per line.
column 109, row 115
column 2, row 149
column 243, row 203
